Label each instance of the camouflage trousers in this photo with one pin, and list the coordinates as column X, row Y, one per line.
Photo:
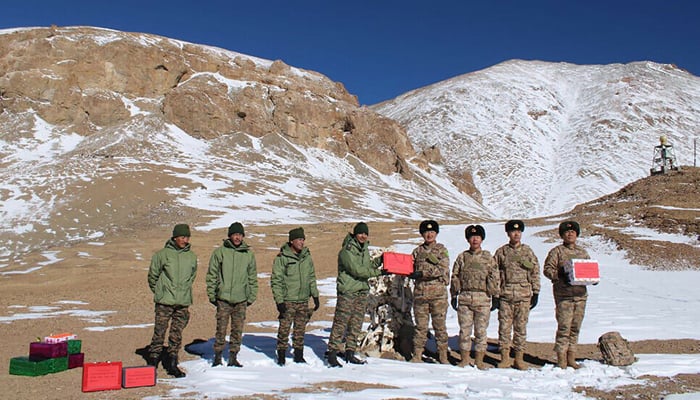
column 349, row 314
column 299, row 314
column 569, row 313
column 236, row 313
column 175, row 316
column 425, row 309
column 473, row 312
column 513, row 316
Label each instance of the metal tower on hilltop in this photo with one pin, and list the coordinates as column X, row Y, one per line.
column 664, row 159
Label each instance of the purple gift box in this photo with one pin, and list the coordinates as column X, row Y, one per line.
column 76, row 360
column 40, row 350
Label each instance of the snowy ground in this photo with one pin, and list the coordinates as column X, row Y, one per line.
column 639, row 304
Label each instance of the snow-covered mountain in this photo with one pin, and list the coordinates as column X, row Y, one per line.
column 539, row 138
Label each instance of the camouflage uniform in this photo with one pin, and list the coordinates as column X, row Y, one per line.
column 299, row 314
column 520, row 279
column 430, row 293
column 236, row 313
column 355, row 267
column 170, row 278
column 570, row 299
column 475, row 280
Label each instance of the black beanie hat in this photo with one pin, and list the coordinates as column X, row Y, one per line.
column 429, row 225
column 236, row 227
column 475, row 230
column 181, row 230
column 515, row 225
column 296, row 233
column 569, row 226
column 361, row 227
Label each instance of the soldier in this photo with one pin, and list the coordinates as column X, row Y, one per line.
column 570, row 300
column 170, row 277
column 232, row 286
column 474, row 281
column 355, row 267
column 293, row 282
column 520, row 288
column 431, row 271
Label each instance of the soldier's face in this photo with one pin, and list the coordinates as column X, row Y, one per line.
column 236, row 239
column 515, row 236
column 297, row 244
column 569, row 237
column 181, row 241
column 361, row 238
column 429, row 236
column 475, row 242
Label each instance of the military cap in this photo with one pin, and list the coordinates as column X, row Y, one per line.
column 181, row 230
column 297, row 233
column 429, row 225
column 361, row 227
column 569, row 226
column 475, row 230
column 515, row 225
column 236, row 227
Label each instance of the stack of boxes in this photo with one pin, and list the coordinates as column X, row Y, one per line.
column 55, row 353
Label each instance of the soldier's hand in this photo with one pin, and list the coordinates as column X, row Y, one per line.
column 249, row 303
column 533, row 300
column 317, row 303
column 495, row 303
column 281, row 308
column 385, row 272
column 416, row 275
column 213, row 302
column 454, row 303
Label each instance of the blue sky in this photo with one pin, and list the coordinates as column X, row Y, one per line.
column 381, row 49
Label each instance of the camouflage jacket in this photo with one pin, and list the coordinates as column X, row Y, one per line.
column 171, row 275
column 519, row 270
column 434, row 262
column 554, row 270
column 293, row 276
column 475, row 272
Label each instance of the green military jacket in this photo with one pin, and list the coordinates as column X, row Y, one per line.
column 172, row 274
column 554, row 270
column 293, row 276
column 355, row 267
column 520, row 272
column 475, row 271
column 232, row 274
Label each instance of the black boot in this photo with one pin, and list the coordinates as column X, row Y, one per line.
column 217, row 359
column 233, row 361
column 352, row 359
column 173, row 369
column 299, row 356
column 333, row 359
column 153, row 359
column 281, row 357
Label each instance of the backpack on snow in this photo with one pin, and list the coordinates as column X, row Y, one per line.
column 615, row 349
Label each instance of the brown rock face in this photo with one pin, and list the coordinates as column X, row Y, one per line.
column 87, row 79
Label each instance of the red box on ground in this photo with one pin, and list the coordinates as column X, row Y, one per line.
column 583, row 272
column 138, row 376
column 102, row 376
column 76, row 360
column 398, row 263
column 41, row 350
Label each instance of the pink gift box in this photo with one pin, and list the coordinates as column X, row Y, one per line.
column 41, row 351
column 76, row 360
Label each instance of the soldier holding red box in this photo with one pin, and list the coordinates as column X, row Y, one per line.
column 570, row 300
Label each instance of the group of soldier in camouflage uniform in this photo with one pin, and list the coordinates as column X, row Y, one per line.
column 480, row 283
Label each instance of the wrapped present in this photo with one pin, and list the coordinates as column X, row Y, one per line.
column 61, row 337
column 40, row 350
column 133, row 377
column 102, row 376
column 398, row 263
column 25, row 366
column 58, row 364
column 76, row 360
column 74, row 346
column 582, row 271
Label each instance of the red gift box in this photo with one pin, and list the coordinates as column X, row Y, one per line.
column 138, row 376
column 102, row 376
column 582, row 272
column 40, row 350
column 398, row 263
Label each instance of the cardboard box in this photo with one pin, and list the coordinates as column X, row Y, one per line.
column 25, row 366
column 60, row 337
column 102, row 376
column 398, row 263
column 582, row 272
column 139, row 376
column 76, row 360
column 40, row 351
